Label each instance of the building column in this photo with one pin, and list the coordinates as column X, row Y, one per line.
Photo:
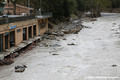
column 9, row 41
column 3, row 42
column 47, row 24
column 37, row 29
column 15, row 37
column 27, row 34
column 22, row 33
column 32, row 31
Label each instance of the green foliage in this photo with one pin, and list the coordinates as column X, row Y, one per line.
column 1, row 2
column 63, row 9
column 115, row 3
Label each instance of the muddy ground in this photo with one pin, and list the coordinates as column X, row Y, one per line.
column 92, row 54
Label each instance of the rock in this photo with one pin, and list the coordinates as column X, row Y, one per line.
column 93, row 19
column 71, row 44
column 114, row 65
column 20, row 68
column 64, row 39
column 58, row 40
column 55, row 54
column 55, row 45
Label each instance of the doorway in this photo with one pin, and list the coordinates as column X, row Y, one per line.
column 34, row 30
column 6, row 40
column 30, row 32
column 24, row 33
column 12, row 39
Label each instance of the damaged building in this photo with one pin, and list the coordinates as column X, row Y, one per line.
column 17, row 32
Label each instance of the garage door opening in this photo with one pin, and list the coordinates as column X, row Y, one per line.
column 6, row 40
column 30, row 32
column 24, row 33
column 34, row 30
column 12, row 39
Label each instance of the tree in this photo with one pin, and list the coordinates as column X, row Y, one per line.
column 14, row 5
column 59, row 8
column 70, row 7
column 1, row 2
column 94, row 6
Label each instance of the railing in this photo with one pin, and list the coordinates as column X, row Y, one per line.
column 48, row 14
column 6, row 20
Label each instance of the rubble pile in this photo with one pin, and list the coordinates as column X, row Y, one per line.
column 73, row 28
column 10, row 58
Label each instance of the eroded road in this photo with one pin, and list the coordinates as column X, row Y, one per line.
column 95, row 56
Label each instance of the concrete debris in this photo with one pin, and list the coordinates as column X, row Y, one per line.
column 59, row 33
column 52, row 45
column 20, row 68
column 6, row 61
column 43, row 45
column 72, row 31
column 51, row 37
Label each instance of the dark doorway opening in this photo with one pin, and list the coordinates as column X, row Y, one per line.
column 34, row 30
column 24, row 33
column 6, row 40
column 30, row 32
column 1, row 42
column 12, row 38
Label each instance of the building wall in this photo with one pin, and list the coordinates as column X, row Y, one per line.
column 19, row 10
column 19, row 36
column 44, row 28
column 18, row 30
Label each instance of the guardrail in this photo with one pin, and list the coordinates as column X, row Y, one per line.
column 6, row 20
column 48, row 14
